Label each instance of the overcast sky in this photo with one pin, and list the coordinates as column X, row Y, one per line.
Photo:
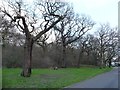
column 101, row 11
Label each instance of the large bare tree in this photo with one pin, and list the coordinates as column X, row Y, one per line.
column 111, row 47
column 33, row 21
column 72, row 28
column 107, row 44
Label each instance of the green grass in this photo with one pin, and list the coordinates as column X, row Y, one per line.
column 47, row 78
column 0, row 78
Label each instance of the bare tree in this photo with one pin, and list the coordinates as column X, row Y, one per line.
column 81, row 47
column 7, row 31
column 102, row 38
column 111, row 46
column 71, row 29
column 106, row 37
column 44, row 41
column 33, row 23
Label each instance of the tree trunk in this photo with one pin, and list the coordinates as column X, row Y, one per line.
column 78, row 64
column 109, row 64
column 79, row 58
column 109, row 61
column 27, row 58
column 101, row 58
column 63, row 57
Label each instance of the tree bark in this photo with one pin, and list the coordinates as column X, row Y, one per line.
column 109, row 63
column 63, row 57
column 78, row 64
column 79, row 58
column 27, row 58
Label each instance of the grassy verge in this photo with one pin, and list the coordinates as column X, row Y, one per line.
column 0, row 78
column 47, row 78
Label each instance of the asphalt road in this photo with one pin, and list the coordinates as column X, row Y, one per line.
column 105, row 80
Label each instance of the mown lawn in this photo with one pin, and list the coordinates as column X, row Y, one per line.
column 47, row 78
column 0, row 78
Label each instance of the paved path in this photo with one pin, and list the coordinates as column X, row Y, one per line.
column 106, row 80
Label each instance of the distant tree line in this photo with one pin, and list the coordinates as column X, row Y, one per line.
column 25, row 33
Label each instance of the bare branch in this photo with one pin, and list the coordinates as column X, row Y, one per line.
column 51, row 26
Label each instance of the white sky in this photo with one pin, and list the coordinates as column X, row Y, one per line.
column 101, row 11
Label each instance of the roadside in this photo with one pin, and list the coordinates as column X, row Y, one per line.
column 105, row 80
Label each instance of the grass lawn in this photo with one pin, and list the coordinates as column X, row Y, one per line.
column 47, row 78
column 0, row 78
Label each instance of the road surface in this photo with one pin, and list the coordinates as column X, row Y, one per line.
column 105, row 80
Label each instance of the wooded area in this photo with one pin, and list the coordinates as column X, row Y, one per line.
column 26, row 31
